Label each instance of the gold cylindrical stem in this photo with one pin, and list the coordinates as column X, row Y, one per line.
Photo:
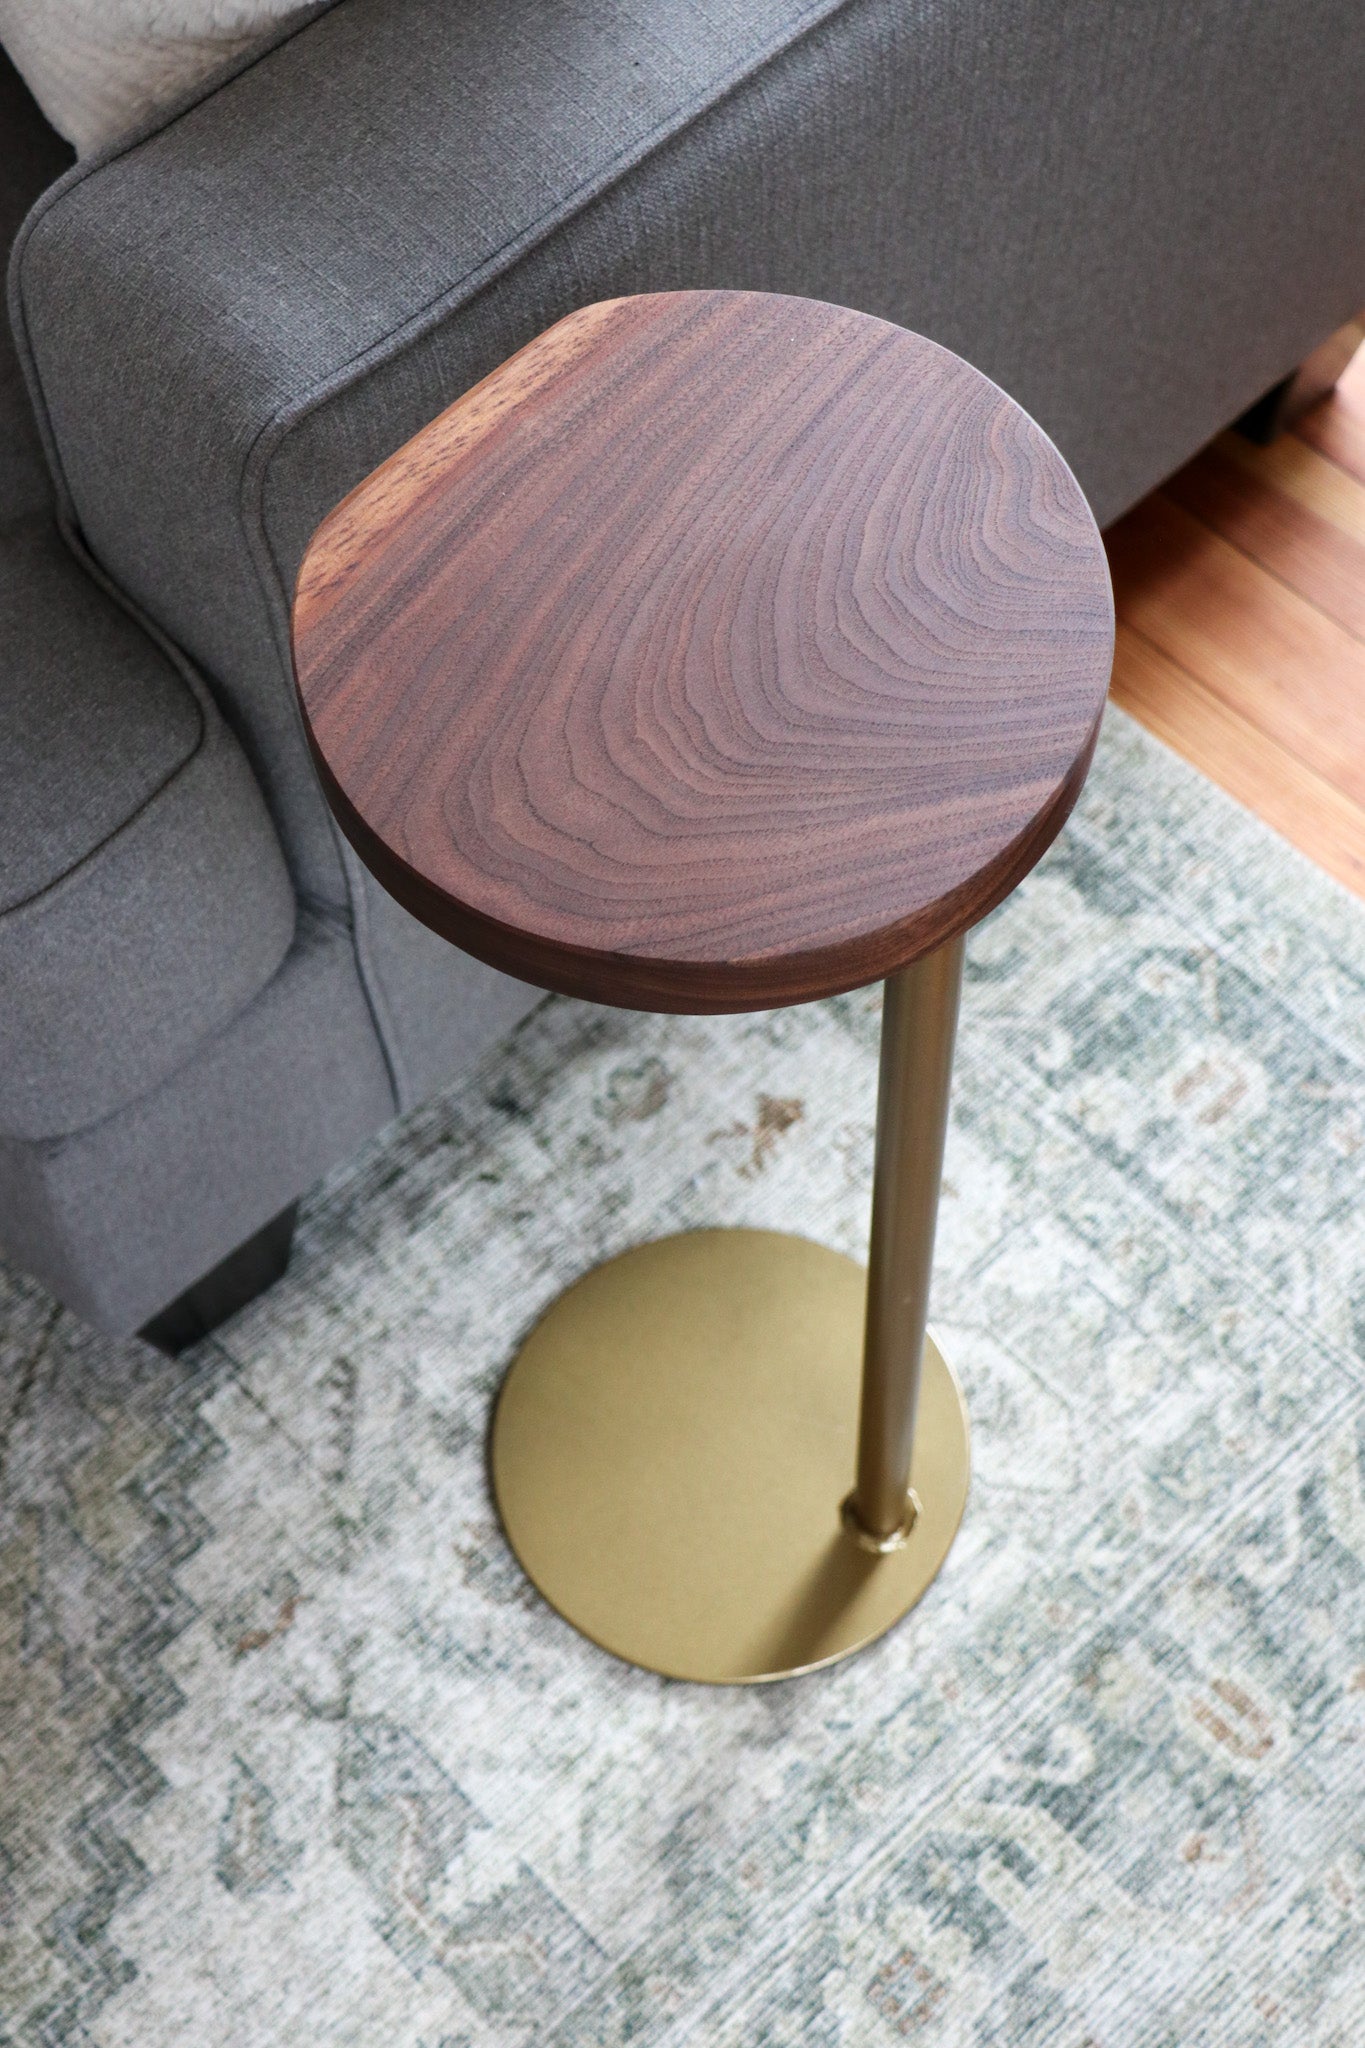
column 919, row 1025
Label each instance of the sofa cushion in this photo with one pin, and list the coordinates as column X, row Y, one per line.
column 119, row 1218
column 85, row 741
column 143, row 896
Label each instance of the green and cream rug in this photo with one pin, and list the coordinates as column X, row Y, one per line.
column 291, row 1754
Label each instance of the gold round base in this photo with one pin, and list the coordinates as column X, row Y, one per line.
column 673, row 1445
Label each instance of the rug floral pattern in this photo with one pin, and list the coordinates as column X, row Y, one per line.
column 289, row 1751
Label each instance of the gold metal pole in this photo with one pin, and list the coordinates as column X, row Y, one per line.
column 674, row 1436
column 919, row 1025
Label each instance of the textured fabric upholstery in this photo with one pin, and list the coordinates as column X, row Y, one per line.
column 92, row 719
column 166, row 1083
column 143, row 896
column 436, row 1009
column 178, row 1178
column 1103, row 207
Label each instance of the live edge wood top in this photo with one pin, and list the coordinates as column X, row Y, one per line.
column 719, row 651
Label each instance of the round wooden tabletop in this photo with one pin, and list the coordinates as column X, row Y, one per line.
column 720, row 650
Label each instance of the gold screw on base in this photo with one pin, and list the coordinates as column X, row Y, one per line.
column 867, row 1539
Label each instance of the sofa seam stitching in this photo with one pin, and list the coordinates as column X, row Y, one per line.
column 309, row 924
column 195, row 688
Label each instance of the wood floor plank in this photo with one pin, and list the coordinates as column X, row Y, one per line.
column 1241, row 597
column 1271, row 655
column 1307, row 809
column 1304, row 475
column 1244, row 502
column 1337, row 426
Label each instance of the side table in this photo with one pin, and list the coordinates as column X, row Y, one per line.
column 721, row 651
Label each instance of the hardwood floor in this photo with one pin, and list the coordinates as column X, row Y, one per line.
column 1240, row 587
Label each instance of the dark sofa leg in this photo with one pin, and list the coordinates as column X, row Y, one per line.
column 233, row 1282
column 1290, row 399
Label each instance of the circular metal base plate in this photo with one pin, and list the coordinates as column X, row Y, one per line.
column 672, row 1446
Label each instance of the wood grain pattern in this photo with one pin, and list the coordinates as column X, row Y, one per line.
column 1292, row 469
column 1276, row 514
column 1247, row 636
column 719, row 651
column 1233, row 752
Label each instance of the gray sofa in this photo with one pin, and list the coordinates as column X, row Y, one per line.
column 1136, row 218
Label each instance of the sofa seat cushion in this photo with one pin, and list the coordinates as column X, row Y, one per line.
column 144, row 899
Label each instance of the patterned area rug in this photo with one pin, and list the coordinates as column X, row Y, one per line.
column 291, row 1753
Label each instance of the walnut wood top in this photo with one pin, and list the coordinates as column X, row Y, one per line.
column 720, row 650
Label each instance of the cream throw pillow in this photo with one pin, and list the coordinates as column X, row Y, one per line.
column 98, row 67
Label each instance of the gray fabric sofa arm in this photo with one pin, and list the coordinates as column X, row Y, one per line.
column 1134, row 218
column 144, row 902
